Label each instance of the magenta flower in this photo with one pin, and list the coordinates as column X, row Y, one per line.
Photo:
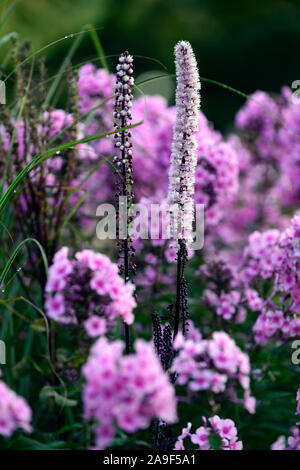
column 224, row 428
column 125, row 392
column 88, row 289
column 216, row 364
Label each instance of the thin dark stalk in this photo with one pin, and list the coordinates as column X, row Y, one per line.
column 125, row 242
column 123, row 161
column 178, row 291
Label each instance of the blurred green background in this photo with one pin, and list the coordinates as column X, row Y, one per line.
column 248, row 45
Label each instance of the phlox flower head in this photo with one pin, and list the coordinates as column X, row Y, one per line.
column 273, row 255
column 258, row 119
column 125, row 392
column 225, row 429
column 214, row 364
column 88, row 289
column 290, row 443
column 14, row 412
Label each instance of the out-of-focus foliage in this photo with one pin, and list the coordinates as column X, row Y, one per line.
column 249, row 46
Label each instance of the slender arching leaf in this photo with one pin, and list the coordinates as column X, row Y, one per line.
column 8, row 12
column 98, row 47
column 14, row 254
column 36, row 161
column 63, row 67
column 42, row 49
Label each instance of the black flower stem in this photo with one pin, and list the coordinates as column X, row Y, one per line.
column 181, row 309
column 178, row 291
column 125, row 242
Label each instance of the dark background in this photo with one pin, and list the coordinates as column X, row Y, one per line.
column 249, row 45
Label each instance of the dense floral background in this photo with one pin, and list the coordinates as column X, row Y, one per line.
column 92, row 360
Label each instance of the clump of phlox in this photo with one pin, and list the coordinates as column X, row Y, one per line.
column 212, row 429
column 14, row 412
column 215, row 364
column 273, row 256
column 88, row 289
column 125, row 392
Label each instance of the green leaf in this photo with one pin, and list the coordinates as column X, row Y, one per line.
column 71, row 427
column 27, row 443
column 14, row 254
column 98, row 47
column 8, row 12
column 49, row 392
column 215, row 441
column 38, row 325
column 63, row 67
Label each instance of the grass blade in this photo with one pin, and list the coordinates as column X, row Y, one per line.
column 63, row 67
column 8, row 12
column 14, row 254
column 98, row 47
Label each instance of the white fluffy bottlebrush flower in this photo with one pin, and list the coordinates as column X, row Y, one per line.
column 184, row 146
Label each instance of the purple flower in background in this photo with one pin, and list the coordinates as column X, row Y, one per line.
column 258, row 119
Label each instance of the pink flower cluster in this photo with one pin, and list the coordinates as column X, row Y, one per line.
column 221, row 294
column 96, row 90
column 125, row 391
column 287, row 277
column 291, row 443
column 275, row 325
column 287, row 187
column 228, row 305
column 258, row 120
column 224, row 428
column 216, row 180
column 88, row 289
column 274, row 256
column 14, row 412
column 211, row 364
column 270, row 259
column 55, row 125
column 261, row 255
column 267, row 147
